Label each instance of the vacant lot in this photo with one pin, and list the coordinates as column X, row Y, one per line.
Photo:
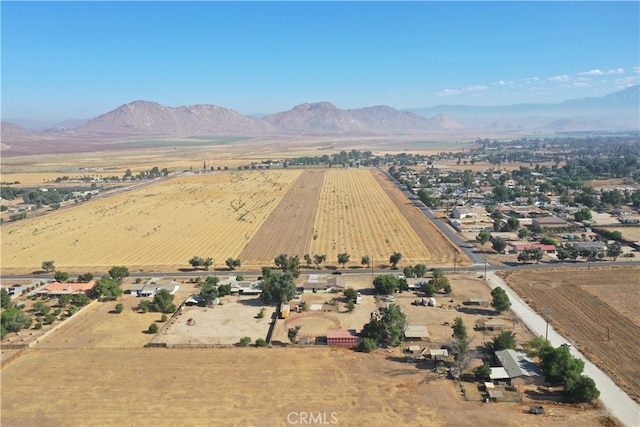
column 596, row 309
column 250, row 386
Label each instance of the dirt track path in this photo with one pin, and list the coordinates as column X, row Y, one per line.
column 289, row 227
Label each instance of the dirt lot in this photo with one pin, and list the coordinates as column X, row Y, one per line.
column 597, row 310
column 250, row 386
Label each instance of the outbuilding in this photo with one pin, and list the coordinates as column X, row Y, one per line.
column 342, row 337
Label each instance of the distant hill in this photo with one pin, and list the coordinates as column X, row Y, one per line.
column 9, row 130
column 324, row 117
column 617, row 111
column 151, row 118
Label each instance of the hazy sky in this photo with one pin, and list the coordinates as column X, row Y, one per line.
column 63, row 60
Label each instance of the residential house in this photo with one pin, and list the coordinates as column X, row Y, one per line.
column 517, row 367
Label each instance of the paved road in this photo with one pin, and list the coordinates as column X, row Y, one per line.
column 620, row 405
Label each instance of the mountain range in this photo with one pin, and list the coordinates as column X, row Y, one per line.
column 618, row 111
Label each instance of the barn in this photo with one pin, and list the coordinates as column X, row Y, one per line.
column 342, row 337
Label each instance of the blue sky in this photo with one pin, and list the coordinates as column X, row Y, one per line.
column 81, row 59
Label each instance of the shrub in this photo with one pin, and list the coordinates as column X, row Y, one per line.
column 351, row 306
column 163, row 318
column 260, row 315
column 261, row 342
column 245, row 341
column 367, row 345
column 119, row 308
column 37, row 326
column 153, row 328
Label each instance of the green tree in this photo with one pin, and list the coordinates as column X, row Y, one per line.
column 61, row 276
column 119, row 308
column 584, row 214
column 13, row 320
column 209, row 291
column 614, row 250
column 581, row 389
column 118, row 273
column 460, row 343
column 558, row 364
column 350, row 294
column 394, row 259
column 224, row 290
column 483, row 237
column 351, row 306
column 196, row 262
column 343, row 258
column 292, row 333
column 440, row 280
column 107, row 288
column 523, row 233
column 501, row 300
column 429, row 289
column 506, row 339
column 389, row 328
column 420, row 270
column 208, row 262
column 278, row 287
column 368, row 345
column 319, row 259
column 153, row 328
column 499, row 244
column 163, row 301
column 288, row 263
column 48, row 266
column 513, row 223
column 261, row 342
column 5, row 300
column 308, row 260
column 385, row 284
column 408, row 271
column 233, row 263
column 85, row 278
column 80, row 299
column 482, row 372
column 245, row 341
column 366, row 260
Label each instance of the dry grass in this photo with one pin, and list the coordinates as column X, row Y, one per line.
column 161, row 225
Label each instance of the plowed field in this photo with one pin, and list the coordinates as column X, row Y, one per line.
column 600, row 322
column 289, row 227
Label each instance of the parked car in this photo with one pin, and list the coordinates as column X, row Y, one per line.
column 566, row 345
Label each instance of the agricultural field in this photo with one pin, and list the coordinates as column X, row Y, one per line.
column 160, row 226
column 600, row 315
column 251, row 215
column 361, row 213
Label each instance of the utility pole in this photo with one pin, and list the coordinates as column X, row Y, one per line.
column 455, row 259
column 485, row 269
column 547, row 312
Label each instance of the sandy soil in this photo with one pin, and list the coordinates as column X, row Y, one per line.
column 595, row 312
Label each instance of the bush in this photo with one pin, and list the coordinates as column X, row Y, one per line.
column 245, row 341
column 260, row 315
column 261, row 342
column 153, row 328
column 119, row 308
column 368, row 345
column 37, row 326
column 73, row 309
column 163, row 318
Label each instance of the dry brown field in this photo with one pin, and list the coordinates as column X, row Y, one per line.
column 597, row 313
column 253, row 215
column 244, row 387
column 289, row 227
column 160, row 226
